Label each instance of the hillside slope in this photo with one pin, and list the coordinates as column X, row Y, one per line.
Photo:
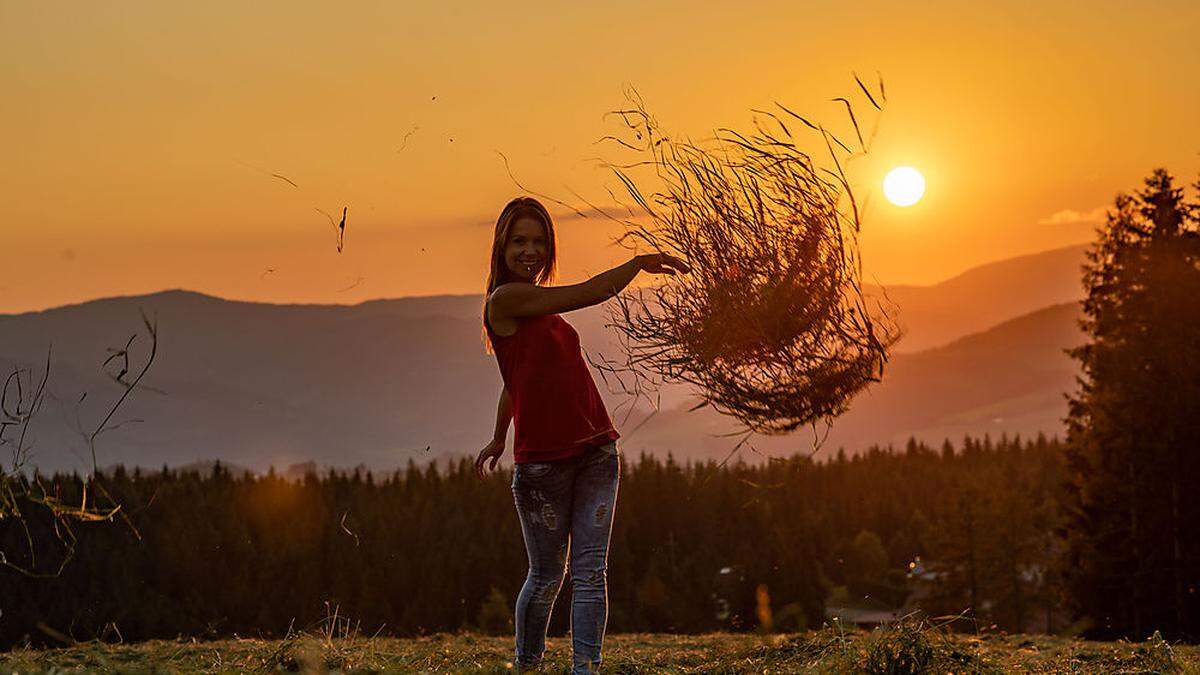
column 378, row 383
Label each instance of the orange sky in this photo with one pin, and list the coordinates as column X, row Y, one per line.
column 139, row 136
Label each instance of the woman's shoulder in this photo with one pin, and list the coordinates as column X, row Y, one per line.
column 508, row 288
column 518, row 323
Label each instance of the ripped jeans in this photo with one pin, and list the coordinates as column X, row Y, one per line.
column 566, row 512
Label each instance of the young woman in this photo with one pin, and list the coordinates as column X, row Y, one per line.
column 565, row 456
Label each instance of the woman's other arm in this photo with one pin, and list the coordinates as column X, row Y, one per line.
column 503, row 416
column 525, row 299
column 495, row 448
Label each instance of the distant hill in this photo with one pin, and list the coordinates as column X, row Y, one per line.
column 1009, row 379
column 378, row 383
column 984, row 296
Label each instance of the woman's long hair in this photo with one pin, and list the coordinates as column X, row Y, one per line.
column 521, row 207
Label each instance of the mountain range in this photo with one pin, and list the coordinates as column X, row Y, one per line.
column 386, row 381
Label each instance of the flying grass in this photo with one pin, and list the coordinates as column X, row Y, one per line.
column 771, row 325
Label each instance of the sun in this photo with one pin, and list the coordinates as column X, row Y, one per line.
column 903, row 186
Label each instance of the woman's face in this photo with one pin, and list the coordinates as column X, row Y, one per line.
column 525, row 253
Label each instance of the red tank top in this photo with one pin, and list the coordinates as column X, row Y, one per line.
column 557, row 410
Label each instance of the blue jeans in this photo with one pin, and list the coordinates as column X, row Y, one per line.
column 566, row 512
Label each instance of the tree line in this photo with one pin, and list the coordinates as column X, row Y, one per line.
column 432, row 548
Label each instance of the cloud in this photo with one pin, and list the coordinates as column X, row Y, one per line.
column 1071, row 217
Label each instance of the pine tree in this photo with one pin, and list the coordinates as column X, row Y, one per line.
column 1132, row 433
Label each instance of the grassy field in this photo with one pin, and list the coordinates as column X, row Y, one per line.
column 904, row 649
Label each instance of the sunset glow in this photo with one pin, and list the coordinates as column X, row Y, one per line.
column 149, row 144
column 859, row 333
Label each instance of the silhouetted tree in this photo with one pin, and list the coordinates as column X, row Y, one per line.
column 1133, row 429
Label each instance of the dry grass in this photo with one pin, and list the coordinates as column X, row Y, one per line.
column 905, row 649
column 771, row 325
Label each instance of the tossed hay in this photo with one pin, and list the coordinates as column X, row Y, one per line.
column 771, row 325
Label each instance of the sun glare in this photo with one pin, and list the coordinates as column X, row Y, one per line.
column 903, row 186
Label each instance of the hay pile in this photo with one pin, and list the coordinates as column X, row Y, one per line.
column 771, row 324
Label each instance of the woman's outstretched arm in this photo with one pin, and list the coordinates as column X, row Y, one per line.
column 525, row 299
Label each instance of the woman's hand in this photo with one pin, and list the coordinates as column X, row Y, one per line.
column 662, row 263
column 492, row 450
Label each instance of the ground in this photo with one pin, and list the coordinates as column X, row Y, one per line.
column 906, row 649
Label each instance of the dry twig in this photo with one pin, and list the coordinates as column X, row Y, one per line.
column 18, row 489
